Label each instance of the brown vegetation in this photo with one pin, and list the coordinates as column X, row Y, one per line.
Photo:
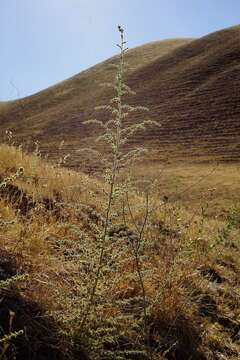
column 191, row 272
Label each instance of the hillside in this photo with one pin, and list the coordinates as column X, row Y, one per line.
column 190, row 86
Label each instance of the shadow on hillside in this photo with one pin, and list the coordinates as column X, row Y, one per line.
column 179, row 339
column 24, row 203
column 40, row 340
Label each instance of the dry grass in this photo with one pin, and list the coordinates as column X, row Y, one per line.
column 42, row 178
column 192, row 185
column 190, row 264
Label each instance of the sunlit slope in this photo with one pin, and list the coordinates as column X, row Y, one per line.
column 190, row 86
column 194, row 93
column 57, row 112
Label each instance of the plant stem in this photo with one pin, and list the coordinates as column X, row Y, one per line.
column 115, row 168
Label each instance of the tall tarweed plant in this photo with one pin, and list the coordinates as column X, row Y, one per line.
column 115, row 138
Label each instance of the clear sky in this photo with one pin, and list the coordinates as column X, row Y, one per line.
column 45, row 41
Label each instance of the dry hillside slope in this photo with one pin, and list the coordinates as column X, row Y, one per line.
column 190, row 86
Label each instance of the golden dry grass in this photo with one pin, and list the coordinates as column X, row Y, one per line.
column 190, row 185
column 190, row 264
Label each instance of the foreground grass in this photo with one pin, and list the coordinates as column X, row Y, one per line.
column 189, row 260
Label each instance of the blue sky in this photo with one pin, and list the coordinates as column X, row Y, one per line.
column 45, row 41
